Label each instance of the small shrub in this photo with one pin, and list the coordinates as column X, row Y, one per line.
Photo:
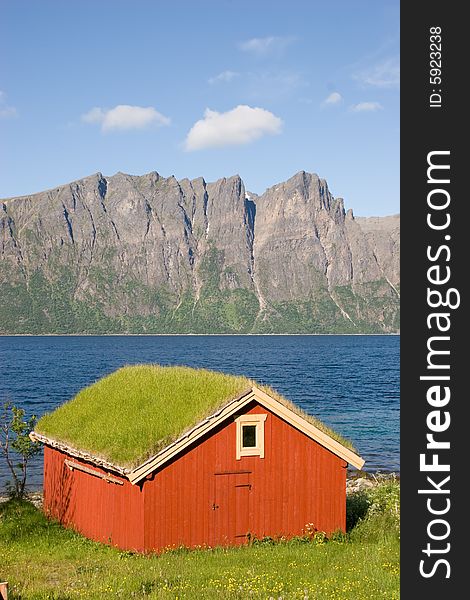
column 265, row 541
column 16, row 447
column 385, row 497
column 338, row 536
column 374, row 513
column 312, row 534
column 357, row 505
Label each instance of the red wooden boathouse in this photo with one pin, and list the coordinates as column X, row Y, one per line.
column 253, row 468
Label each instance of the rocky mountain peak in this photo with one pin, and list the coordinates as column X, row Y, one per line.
column 145, row 254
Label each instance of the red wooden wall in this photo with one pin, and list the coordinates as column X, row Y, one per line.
column 102, row 511
column 206, row 496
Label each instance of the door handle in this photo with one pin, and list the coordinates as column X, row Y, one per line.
column 215, row 506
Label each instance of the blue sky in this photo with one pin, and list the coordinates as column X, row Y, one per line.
column 202, row 88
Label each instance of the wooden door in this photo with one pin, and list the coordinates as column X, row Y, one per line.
column 231, row 508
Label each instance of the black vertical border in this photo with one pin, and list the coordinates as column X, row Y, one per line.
column 425, row 129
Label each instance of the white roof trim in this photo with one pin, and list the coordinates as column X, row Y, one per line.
column 306, row 427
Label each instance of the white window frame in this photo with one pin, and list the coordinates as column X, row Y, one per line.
column 258, row 422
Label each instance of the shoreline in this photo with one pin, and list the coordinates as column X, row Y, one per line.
column 192, row 334
column 356, row 481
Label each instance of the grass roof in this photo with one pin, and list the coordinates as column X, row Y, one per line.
column 131, row 414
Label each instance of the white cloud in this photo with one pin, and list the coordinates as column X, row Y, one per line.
column 332, row 99
column 124, row 117
column 385, row 74
column 366, row 107
column 267, row 45
column 241, row 125
column 6, row 111
column 95, row 115
column 224, row 77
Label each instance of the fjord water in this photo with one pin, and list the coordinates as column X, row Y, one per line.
column 351, row 383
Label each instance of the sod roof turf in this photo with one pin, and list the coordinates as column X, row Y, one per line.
column 131, row 414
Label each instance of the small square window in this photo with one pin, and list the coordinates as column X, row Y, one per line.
column 249, row 436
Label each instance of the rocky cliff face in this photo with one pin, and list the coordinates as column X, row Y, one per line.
column 150, row 254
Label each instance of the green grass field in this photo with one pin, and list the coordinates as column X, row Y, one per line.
column 41, row 560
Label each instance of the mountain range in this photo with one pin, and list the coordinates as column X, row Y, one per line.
column 149, row 254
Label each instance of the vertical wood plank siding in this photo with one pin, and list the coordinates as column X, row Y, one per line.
column 296, row 483
column 205, row 496
column 102, row 511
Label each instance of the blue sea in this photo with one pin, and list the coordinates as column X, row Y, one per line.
column 351, row 383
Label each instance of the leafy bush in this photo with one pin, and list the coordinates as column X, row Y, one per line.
column 357, row 505
column 16, row 447
column 374, row 513
column 385, row 497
